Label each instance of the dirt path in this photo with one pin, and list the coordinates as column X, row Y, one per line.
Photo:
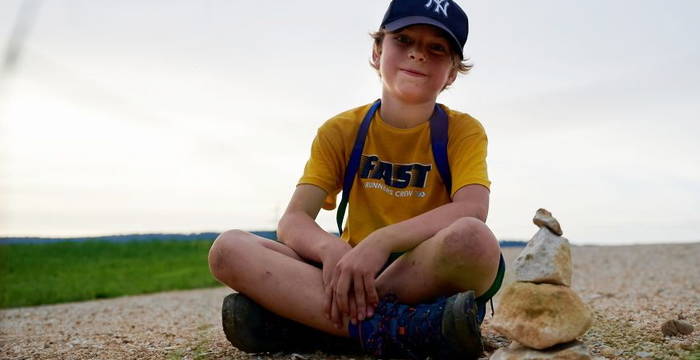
column 632, row 289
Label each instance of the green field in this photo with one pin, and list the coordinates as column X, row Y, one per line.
column 34, row 274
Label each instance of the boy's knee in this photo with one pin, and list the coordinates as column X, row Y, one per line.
column 469, row 241
column 222, row 251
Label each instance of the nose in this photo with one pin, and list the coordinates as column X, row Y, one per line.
column 416, row 54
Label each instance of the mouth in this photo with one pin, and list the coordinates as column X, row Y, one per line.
column 412, row 72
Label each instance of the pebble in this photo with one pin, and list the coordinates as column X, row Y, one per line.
column 687, row 345
column 644, row 354
column 676, row 327
column 544, row 218
column 609, row 352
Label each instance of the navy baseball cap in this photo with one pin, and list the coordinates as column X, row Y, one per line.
column 444, row 14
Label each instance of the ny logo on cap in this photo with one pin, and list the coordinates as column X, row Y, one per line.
column 440, row 5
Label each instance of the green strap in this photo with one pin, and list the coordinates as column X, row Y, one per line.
column 496, row 283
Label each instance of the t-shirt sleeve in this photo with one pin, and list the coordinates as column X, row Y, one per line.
column 325, row 166
column 467, row 157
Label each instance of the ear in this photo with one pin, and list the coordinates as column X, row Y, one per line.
column 452, row 77
column 376, row 54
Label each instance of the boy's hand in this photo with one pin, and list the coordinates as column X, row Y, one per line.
column 353, row 279
column 329, row 258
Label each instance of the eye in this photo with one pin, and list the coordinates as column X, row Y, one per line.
column 402, row 39
column 438, row 48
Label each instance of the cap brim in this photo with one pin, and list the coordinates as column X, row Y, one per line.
column 415, row 20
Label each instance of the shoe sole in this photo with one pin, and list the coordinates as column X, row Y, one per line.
column 460, row 327
column 239, row 317
column 254, row 329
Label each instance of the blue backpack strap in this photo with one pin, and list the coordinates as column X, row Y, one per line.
column 354, row 163
column 438, row 140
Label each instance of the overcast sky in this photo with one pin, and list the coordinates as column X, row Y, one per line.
column 185, row 116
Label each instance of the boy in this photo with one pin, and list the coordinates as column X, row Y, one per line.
column 415, row 264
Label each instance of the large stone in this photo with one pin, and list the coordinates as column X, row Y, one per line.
column 570, row 351
column 545, row 259
column 545, row 218
column 541, row 315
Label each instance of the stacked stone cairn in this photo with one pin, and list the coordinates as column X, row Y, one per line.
column 539, row 311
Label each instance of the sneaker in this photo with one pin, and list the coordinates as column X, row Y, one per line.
column 253, row 329
column 461, row 326
column 445, row 329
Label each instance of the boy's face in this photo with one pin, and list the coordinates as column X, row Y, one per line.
column 415, row 63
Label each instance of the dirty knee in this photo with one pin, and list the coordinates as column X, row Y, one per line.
column 468, row 241
column 222, row 251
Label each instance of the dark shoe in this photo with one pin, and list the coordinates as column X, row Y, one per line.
column 252, row 328
column 460, row 327
column 444, row 329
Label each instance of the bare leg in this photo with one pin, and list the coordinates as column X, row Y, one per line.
column 274, row 276
column 463, row 256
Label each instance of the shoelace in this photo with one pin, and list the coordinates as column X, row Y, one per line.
column 413, row 318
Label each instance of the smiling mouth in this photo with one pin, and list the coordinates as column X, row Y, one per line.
column 413, row 72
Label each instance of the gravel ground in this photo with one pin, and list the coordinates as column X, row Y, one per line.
column 632, row 290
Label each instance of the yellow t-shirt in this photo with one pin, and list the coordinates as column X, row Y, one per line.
column 397, row 177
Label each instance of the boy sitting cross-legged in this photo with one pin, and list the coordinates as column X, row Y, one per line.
column 415, row 264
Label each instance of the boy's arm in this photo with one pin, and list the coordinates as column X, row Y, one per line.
column 357, row 269
column 468, row 201
column 298, row 229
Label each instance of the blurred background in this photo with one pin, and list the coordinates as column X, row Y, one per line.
column 129, row 116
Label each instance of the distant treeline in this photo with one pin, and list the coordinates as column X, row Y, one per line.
column 163, row 237
column 512, row 243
